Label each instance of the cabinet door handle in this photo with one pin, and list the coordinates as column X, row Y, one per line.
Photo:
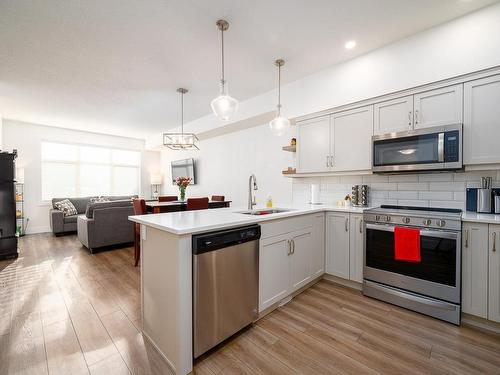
column 327, row 160
column 494, row 241
column 466, row 238
column 361, row 226
column 346, row 224
column 409, row 118
column 289, row 244
column 293, row 246
column 416, row 116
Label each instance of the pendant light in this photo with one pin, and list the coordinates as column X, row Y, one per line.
column 181, row 141
column 223, row 106
column 279, row 125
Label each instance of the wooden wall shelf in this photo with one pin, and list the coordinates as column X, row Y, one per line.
column 289, row 171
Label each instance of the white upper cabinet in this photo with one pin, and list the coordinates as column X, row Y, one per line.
column 438, row 107
column 313, row 145
column 337, row 244
column 351, row 135
column 475, row 269
column 482, row 121
column 393, row 115
column 494, row 274
column 356, row 248
column 426, row 109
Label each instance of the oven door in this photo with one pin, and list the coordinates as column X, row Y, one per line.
column 438, row 273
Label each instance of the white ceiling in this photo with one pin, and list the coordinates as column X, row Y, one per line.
column 113, row 66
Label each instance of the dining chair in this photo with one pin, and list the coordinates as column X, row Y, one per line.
column 139, row 209
column 218, row 198
column 197, row 204
column 168, row 198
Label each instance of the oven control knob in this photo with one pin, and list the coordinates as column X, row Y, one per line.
column 387, row 218
column 441, row 223
column 427, row 222
column 406, row 220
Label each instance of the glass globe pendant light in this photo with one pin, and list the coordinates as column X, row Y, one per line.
column 223, row 106
column 181, row 141
column 279, row 125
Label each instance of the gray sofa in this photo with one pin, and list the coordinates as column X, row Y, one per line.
column 106, row 224
column 98, row 224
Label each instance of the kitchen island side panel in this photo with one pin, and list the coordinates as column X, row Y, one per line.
column 166, row 274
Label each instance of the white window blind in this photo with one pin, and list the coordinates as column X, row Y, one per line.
column 72, row 170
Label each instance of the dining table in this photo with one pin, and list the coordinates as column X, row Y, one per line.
column 156, row 207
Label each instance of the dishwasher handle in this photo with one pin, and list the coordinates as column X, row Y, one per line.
column 203, row 243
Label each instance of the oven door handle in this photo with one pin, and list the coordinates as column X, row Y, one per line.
column 423, row 232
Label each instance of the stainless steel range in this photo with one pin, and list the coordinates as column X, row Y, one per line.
column 431, row 286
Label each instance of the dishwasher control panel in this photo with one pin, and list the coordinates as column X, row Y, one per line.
column 216, row 240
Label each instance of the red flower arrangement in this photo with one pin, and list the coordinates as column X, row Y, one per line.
column 182, row 183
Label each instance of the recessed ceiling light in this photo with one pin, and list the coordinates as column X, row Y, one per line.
column 350, row 44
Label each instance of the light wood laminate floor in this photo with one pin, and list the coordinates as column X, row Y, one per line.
column 65, row 311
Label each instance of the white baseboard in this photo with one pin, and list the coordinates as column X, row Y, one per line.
column 39, row 229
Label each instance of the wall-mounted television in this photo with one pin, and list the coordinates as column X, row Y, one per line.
column 183, row 168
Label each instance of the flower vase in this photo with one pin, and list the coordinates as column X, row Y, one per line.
column 182, row 194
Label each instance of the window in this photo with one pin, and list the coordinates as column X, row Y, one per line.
column 71, row 170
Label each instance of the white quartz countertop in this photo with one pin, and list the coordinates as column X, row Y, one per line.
column 190, row 222
column 480, row 218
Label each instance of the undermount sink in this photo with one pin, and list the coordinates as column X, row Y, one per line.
column 269, row 211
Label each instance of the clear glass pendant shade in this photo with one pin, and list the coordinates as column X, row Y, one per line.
column 224, row 106
column 279, row 125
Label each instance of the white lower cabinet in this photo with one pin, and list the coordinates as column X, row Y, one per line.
column 494, row 273
column 337, row 244
column 356, row 248
column 474, row 269
column 289, row 258
column 481, row 270
column 344, row 245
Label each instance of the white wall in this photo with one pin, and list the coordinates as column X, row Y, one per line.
column 27, row 138
column 465, row 45
column 225, row 163
column 1, row 132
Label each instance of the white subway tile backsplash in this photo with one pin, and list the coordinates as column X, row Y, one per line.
column 427, row 189
column 403, row 194
column 382, row 186
column 447, row 204
column 436, row 195
column 446, row 186
column 403, row 178
column 413, row 186
column 435, row 177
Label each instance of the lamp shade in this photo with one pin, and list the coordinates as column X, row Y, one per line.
column 280, row 125
column 156, row 179
column 224, row 106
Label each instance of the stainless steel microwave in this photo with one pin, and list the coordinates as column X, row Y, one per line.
column 430, row 149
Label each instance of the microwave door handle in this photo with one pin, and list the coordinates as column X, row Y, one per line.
column 441, row 147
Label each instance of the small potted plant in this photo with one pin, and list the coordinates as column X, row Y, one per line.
column 182, row 183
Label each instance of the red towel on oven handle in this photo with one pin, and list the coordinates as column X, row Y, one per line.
column 407, row 244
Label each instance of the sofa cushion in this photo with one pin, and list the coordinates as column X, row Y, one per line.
column 70, row 219
column 99, row 205
column 67, row 207
column 120, row 197
column 79, row 203
column 99, row 199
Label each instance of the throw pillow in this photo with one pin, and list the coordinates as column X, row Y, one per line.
column 66, row 207
column 99, row 199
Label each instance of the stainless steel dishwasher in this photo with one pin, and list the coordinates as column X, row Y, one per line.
column 225, row 284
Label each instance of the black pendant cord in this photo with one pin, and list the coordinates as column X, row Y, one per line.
column 279, row 90
column 182, row 114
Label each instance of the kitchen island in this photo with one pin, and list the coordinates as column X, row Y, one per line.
column 166, row 267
